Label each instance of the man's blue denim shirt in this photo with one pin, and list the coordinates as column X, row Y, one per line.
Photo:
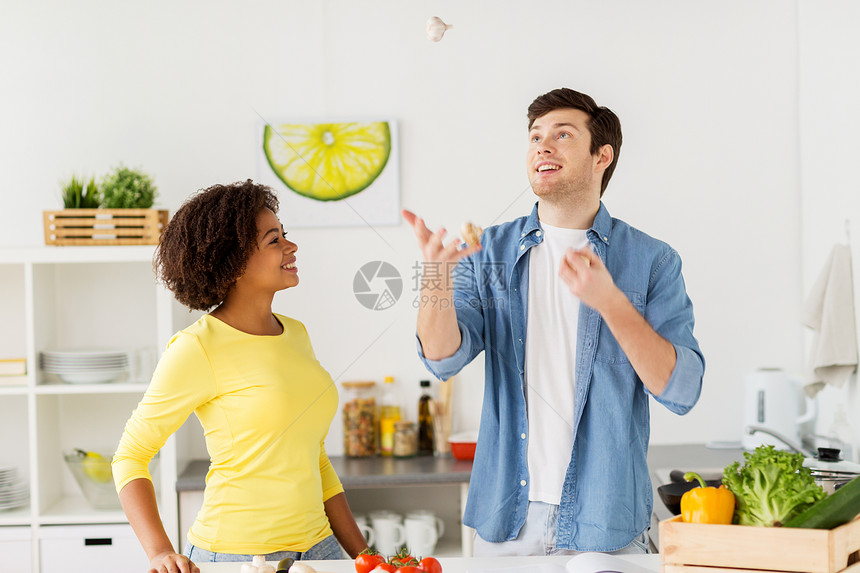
column 606, row 498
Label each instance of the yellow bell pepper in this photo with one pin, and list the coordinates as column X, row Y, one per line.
column 707, row 504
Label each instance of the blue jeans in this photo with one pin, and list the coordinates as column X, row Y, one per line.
column 328, row 548
column 538, row 534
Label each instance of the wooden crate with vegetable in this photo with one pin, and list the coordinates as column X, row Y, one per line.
column 783, row 521
column 706, row 548
column 104, row 226
column 116, row 211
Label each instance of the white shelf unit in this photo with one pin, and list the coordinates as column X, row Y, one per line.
column 76, row 297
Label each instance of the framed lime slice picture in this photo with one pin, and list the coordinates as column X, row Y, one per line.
column 327, row 161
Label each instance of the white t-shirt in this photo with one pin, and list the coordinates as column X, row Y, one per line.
column 553, row 314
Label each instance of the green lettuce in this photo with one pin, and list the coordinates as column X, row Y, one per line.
column 771, row 487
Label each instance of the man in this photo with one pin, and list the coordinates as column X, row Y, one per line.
column 580, row 317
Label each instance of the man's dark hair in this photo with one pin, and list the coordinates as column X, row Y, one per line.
column 603, row 125
column 205, row 247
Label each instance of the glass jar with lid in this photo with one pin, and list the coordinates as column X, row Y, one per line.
column 359, row 419
column 405, row 439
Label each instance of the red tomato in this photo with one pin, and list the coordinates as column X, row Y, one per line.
column 403, row 559
column 430, row 565
column 365, row 563
column 408, row 569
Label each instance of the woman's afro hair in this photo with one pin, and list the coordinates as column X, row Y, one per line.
column 204, row 248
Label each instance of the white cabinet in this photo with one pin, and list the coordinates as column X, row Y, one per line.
column 76, row 297
column 94, row 549
column 16, row 549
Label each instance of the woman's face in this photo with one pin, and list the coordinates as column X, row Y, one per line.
column 272, row 266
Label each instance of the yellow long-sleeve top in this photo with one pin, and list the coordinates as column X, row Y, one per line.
column 265, row 404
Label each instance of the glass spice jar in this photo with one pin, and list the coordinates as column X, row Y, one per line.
column 405, row 439
column 359, row 419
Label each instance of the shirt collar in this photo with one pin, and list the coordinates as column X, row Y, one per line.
column 602, row 225
column 601, row 228
column 532, row 223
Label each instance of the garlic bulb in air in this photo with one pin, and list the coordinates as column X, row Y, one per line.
column 436, row 28
column 471, row 233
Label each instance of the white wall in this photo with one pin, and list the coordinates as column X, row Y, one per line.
column 707, row 93
column 830, row 145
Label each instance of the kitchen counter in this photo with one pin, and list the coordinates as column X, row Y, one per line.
column 428, row 470
column 365, row 472
column 642, row 563
column 358, row 473
column 379, row 472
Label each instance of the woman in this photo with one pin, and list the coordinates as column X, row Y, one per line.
column 251, row 377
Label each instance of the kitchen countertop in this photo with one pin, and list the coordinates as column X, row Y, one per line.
column 642, row 563
column 422, row 470
column 365, row 472
column 379, row 472
column 374, row 473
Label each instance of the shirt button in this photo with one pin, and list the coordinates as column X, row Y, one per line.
column 523, row 235
column 538, row 233
column 522, row 247
column 523, row 482
column 605, row 238
column 523, row 436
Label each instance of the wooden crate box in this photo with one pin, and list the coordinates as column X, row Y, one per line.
column 704, row 548
column 104, row 226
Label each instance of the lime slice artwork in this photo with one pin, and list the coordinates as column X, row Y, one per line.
column 327, row 161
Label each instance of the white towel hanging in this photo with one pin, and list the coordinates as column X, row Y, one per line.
column 829, row 311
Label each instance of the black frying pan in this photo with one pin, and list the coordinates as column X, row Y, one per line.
column 671, row 493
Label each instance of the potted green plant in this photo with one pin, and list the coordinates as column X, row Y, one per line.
column 77, row 194
column 126, row 188
column 117, row 212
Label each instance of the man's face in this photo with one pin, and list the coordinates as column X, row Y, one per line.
column 559, row 160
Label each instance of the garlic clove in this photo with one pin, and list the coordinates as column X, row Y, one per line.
column 248, row 568
column 436, row 28
column 258, row 561
column 471, row 233
column 265, row 569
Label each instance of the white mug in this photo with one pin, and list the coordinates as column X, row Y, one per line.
column 364, row 527
column 421, row 536
column 388, row 532
column 431, row 517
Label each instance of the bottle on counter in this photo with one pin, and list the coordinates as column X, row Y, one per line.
column 386, row 436
column 359, row 419
column 389, row 413
column 405, row 439
column 425, row 420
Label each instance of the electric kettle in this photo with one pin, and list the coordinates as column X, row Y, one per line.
column 775, row 401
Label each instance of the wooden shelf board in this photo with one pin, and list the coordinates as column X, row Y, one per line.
column 110, row 388
column 17, row 516
column 71, row 254
column 76, row 510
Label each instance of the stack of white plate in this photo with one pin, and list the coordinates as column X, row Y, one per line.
column 85, row 366
column 13, row 492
